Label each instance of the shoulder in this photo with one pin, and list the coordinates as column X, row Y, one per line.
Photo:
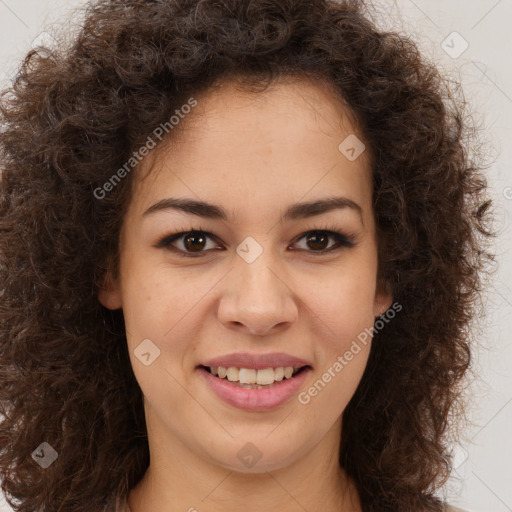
column 449, row 508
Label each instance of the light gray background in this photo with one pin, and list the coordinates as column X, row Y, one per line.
column 481, row 482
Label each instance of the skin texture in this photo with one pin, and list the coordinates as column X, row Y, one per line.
column 253, row 154
column 72, row 123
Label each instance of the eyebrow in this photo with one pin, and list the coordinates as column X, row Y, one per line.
column 215, row 212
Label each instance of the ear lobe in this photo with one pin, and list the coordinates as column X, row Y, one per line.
column 383, row 299
column 109, row 295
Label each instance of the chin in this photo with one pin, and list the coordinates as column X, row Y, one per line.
column 256, row 456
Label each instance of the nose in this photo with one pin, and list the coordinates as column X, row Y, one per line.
column 258, row 299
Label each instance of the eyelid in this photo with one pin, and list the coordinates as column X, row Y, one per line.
column 168, row 239
column 342, row 241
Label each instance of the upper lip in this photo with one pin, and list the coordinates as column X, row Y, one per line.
column 256, row 361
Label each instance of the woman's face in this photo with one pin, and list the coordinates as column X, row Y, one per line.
column 254, row 289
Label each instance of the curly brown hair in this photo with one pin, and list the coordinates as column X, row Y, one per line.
column 69, row 121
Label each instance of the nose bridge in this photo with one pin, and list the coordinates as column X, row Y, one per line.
column 259, row 298
column 255, row 260
column 259, row 286
column 259, row 282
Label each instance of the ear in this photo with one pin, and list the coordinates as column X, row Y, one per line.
column 383, row 298
column 109, row 294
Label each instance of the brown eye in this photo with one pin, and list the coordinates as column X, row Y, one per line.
column 194, row 242
column 188, row 243
column 318, row 241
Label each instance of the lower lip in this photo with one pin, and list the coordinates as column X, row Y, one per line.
column 255, row 399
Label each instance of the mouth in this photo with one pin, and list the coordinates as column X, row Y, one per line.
column 254, row 390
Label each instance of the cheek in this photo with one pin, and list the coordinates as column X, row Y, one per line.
column 342, row 336
column 328, row 394
column 341, row 307
column 160, row 330
column 343, row 299
column 158, row 305
column 154, row 295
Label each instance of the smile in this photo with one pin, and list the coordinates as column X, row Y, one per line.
column 252, row 378
column 254, row 390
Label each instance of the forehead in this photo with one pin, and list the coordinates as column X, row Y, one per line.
column 283, row 109
column 281, row 143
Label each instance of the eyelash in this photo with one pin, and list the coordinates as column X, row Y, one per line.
column 342, row 241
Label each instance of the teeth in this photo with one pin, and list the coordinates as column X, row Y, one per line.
column 265, row 376
column 233, row 374
column 246, row 376
column 249, row 376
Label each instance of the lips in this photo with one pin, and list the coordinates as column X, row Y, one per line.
column 256, row 361
column 255, row 397
column 255, row 400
